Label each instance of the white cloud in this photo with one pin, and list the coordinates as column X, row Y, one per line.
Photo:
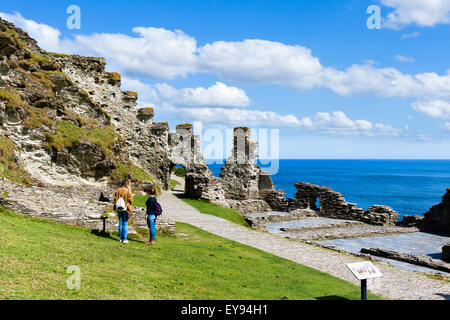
column 434, row 108
column 260, row 61
column 447, row 126
column 335, row 123
column 253, row 118
column 217, row 95
column 163, row 54
column 156, row 52
column 405, row 59
column 424, row 13
column 410, row 35
column 46, row 36
column 338, row 123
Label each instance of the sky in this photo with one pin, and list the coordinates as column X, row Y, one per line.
column 309, row 72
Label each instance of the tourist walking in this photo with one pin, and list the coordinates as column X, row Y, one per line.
column 153, row 211
column 123, row 204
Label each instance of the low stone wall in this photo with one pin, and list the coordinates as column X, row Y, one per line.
column 72, row 206
column 246, row 206
column 420, row 260
column 259, row 220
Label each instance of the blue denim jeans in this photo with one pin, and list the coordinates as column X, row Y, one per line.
column 123, row 225
column 151, row 222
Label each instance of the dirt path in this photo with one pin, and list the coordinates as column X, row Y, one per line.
column 396, row 283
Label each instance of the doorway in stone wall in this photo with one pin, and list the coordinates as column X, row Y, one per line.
column 317, row 204
column 177, row 179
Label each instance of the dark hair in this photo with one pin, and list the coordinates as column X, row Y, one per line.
column 151, row 191
column 125, row 182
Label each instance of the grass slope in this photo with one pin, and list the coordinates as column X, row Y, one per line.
column 35, row 255
column 218, row 211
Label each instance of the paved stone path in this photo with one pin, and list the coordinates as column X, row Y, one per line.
column 396, row 284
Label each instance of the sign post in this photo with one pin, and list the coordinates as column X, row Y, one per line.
column 363, row 271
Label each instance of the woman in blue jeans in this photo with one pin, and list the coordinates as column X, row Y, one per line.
column 151, row 217
column 126, row 196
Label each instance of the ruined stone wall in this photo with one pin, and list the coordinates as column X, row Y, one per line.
column 241, row 177
column 205, row 187
column 331, row 204
column 185, row 150
column 150, row 145
column 146, row 141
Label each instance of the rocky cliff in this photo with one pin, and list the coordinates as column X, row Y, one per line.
column 65, row 121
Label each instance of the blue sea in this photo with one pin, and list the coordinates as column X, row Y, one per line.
column 411, row 187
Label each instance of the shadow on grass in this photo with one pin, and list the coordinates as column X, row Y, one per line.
column 333, row 298
column 101, row 234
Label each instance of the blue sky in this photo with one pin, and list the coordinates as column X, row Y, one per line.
column 334, row 88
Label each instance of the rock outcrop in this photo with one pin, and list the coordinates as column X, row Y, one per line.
column 437, row 219
column 71, row 123
column 446, row 253
column 60, row 134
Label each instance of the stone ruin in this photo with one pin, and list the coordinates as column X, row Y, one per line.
column 329, row 203
column 244, row 186
column 150, row 145
column 241, row 182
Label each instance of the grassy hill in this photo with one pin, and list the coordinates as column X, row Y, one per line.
column 35, row 254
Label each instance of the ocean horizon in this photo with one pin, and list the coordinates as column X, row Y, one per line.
column 409, row 186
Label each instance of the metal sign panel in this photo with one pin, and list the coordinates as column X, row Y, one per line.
column 364, row 270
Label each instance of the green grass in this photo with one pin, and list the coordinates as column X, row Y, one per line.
column 207, row 207
column 125, row 169
column 12, row 98
column 68, row 134
column 36, row 253
column 139, row 201
column 174, row 184
column 179, row 172
column 9, row 168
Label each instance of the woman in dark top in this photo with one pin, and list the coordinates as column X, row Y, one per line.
column 151, row 217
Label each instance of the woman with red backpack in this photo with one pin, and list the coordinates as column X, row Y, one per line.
column 153, row 212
